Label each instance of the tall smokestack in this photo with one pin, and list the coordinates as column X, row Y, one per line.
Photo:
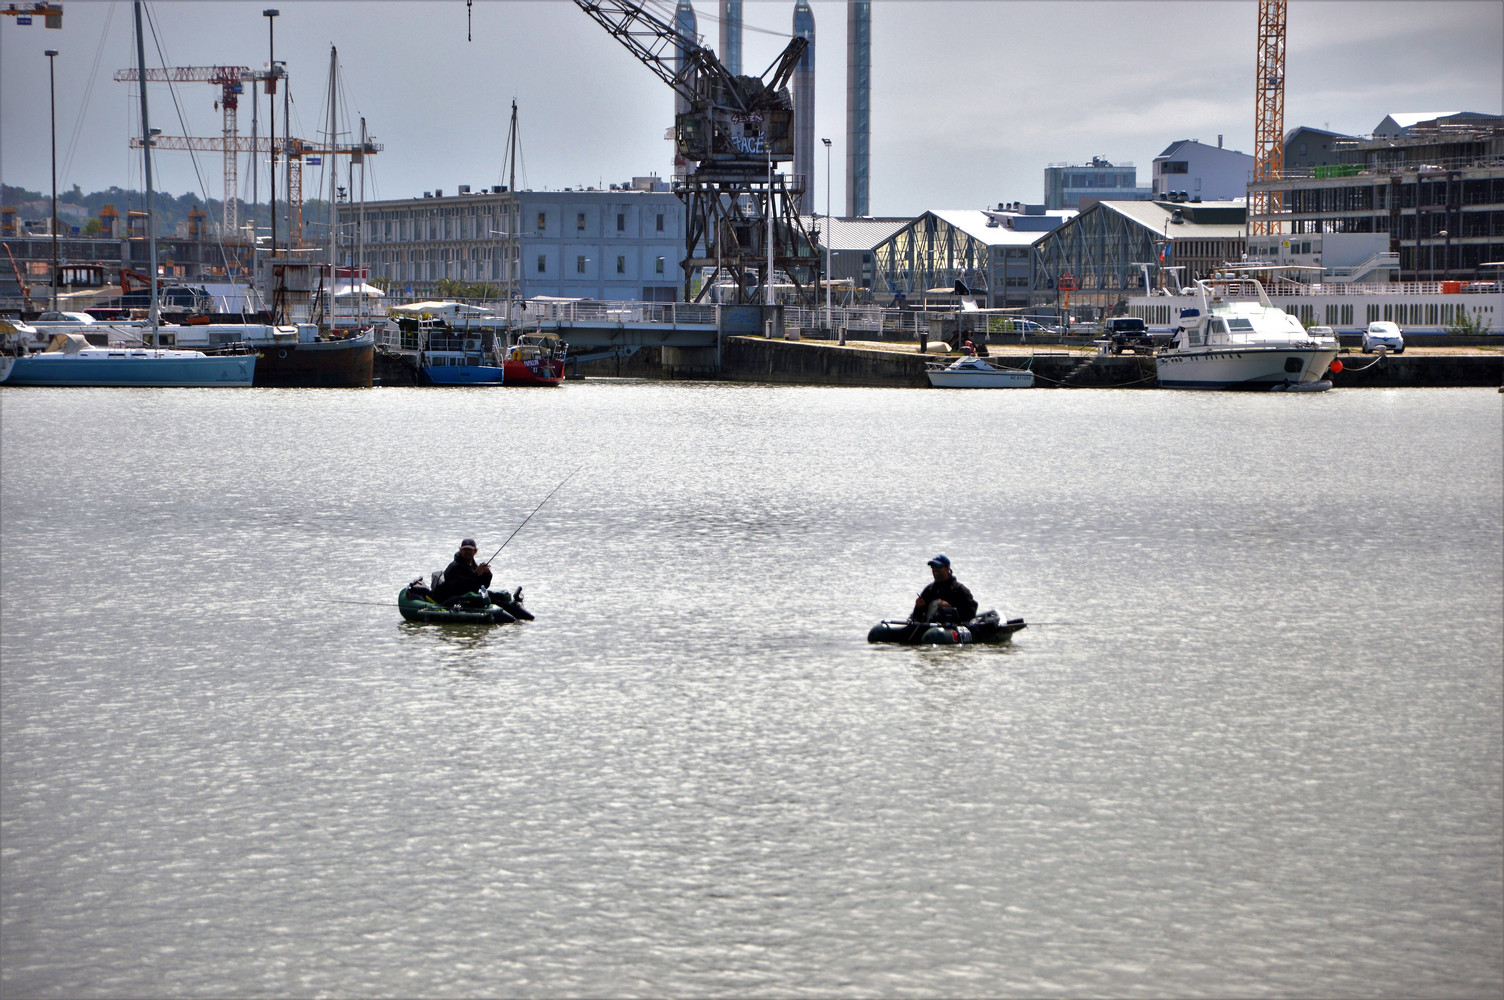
column 804, row 104
column 858, row 105
column 731, row 36
column 684, row 24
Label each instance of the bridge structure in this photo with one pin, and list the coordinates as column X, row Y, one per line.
column 689, row 333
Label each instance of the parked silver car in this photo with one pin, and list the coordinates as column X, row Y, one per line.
column 1382, row 333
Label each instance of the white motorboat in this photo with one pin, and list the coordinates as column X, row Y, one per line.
column 1230, row 336
column 972, row 372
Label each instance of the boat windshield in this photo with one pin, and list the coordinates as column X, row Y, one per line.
column 1238, row 323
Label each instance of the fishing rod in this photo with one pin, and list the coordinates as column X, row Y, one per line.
column 519, row 527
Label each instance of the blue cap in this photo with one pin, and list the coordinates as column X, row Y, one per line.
column 468, row 543
column 940, row 561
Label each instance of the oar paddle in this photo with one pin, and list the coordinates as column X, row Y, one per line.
column 519, row 527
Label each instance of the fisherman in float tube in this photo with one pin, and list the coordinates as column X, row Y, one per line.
column 946, row 599
column 464, row 576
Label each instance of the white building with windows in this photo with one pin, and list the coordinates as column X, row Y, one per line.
column 1202, row 172
column 622, row 242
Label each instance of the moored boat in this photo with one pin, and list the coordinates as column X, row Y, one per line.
column 448, row 343
column 1229, row 335
column 986, row 627
column 971, row 372
column 534, row 359
column 70, row 360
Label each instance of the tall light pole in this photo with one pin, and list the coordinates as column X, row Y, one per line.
column 827, row 232
column 51, row 55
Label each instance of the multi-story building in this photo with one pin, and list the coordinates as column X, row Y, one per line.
column 624, row 242
column 1196, row 170
column 1065, row 184
column 1434, row 187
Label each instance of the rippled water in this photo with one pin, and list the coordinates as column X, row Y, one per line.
column 1264, row 759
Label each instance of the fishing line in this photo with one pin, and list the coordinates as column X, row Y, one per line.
column 519, row 527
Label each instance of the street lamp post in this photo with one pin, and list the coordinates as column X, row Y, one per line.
column 827, row 232
column 1445, row 257
column 51, row 55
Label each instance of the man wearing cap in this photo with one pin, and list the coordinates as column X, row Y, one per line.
column 946, row 599
column 463, row 576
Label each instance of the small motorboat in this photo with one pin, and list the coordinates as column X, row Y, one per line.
column 972, row 372
column 492, row 607
column 986, row 627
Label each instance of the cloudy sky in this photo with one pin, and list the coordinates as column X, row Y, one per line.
column 970, row 99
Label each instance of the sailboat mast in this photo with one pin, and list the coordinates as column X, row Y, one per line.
column 514, row 219
column 333, row 169
column 151, row 226
column 360, row 227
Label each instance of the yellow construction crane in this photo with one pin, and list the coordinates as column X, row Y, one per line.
column 51, row 13
column 293, row 150
column 1269, row 119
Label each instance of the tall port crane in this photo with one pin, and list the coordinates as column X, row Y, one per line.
column 734, row 131
column 1269, row 118
column 230, row 81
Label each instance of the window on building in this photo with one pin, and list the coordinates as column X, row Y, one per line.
column 579, row 222
column 660, row 259
column 579, row 262
column 621, row 222
column 542, row 221
column 660, row 222
column 542, row 264
column 621, row 265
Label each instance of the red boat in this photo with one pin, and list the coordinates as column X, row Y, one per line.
column 534, row 359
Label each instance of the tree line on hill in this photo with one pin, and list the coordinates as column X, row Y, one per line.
column 75, row 208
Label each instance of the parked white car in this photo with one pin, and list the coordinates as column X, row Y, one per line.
column 1382, row 333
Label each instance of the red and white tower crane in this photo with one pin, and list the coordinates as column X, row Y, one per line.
column 230, row 81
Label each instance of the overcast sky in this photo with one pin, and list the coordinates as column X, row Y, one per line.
column 971, row 100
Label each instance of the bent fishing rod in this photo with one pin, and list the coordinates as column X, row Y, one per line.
column 519, row 527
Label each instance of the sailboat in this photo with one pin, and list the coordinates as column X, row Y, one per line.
column 71, row 360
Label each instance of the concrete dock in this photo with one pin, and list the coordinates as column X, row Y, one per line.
column 885, row 363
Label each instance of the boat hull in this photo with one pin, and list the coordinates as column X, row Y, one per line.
column 998, row 378
column 322, row 364
column 910, row 633
column 534, row 372
column 137, row 369
column 1244, row 368
column 461, row 375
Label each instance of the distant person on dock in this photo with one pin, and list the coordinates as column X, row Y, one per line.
column 946, row 599
column 462, row 575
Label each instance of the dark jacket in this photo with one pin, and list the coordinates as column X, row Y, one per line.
column 462, row 576
column 954, row 592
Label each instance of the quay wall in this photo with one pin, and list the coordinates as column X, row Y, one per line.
column 755, row 359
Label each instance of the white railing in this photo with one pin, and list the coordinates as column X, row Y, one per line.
column 654, row 313
column 1383, row 259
